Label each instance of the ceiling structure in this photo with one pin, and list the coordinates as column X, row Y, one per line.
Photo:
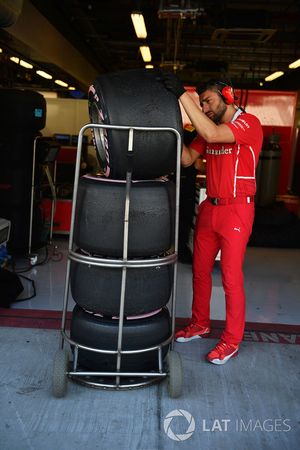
column 241, row 42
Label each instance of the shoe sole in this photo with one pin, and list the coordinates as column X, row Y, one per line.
column 197, row 336
column 220, row 362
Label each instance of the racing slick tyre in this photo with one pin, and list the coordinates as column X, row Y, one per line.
column 102, row 333
column 98, row 289
column 136, row 98
column 99, row 217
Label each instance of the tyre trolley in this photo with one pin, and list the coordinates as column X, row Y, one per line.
column 170, row 366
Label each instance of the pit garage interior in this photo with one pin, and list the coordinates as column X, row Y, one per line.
column 51, row 52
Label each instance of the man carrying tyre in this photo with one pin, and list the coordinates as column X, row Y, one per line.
column 230, row 140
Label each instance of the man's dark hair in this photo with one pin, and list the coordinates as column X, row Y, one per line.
column 217, row 84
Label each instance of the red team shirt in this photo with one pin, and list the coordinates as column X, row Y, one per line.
column 231, row 167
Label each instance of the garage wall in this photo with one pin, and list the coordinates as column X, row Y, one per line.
column 65, row 116
column 277, row 113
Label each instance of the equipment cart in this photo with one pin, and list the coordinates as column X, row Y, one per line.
column 168, row 367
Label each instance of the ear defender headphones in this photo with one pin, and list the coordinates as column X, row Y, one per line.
column 226, row 92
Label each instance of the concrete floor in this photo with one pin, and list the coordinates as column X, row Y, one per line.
column 250, row 403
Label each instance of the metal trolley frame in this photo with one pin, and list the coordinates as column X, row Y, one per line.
column 33, row 188
column 118, row 379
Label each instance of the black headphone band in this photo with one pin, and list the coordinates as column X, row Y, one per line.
column 219, row 85
column 223, row 83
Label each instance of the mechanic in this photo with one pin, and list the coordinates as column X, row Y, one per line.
column 230, row 140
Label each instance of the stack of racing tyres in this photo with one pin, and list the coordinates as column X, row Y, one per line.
column 135, row 183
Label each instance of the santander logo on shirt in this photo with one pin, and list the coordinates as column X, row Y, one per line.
column 231, row 167
column 221, row 151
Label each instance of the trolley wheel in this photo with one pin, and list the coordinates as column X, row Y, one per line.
column 60, row 368
column 175, row 375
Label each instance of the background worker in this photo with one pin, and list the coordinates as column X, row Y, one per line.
column 230, row 140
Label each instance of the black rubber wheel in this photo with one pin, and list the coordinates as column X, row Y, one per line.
column 10, row 12
column 175, row 375
column 99, row 217
column 98, row 289
column 102, row 333
column 60, row 368
column 21, row 110
column 137, row 98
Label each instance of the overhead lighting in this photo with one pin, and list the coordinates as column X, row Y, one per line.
column 149, row 66
column 261, row 83
column 274, row 75
column 15, row 59
column 43, row 74
column 22, row 63
column 294, row 64
column 71, row 88
column 139, row 25
column 25, row 64
column 146, row 54
column 61, row 83
column 1, row 50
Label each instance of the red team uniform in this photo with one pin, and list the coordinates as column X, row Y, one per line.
column 225, row 220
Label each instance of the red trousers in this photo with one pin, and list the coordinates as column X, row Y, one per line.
column 226, row 228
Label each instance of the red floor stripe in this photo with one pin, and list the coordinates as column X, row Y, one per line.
column 257, row 326
column 255, row 332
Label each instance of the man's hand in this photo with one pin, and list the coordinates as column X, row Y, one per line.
column 172, row 83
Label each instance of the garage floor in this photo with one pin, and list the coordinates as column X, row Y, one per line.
column 272, row 283
column 251, row 402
